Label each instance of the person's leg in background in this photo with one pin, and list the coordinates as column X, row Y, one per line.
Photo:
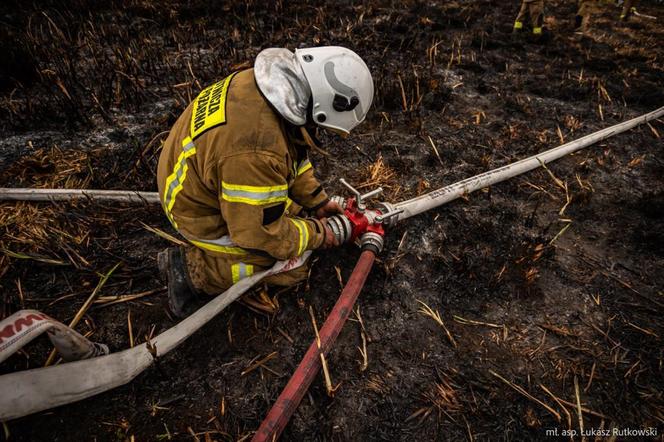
column 521, row 17
column 629, row 7
column 536, row 10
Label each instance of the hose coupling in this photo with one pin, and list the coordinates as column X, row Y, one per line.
column 341, row 228
column 372, row 241
column 339, row 200
column 388, row 209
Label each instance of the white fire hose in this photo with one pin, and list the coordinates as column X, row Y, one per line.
column 122, row 196
column 30, row 391
column 19, row 329
column 410, row 208
column 449, row 193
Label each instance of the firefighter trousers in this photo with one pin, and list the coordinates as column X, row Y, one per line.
column 212, row 274
column 534, row 9
column 627, row 8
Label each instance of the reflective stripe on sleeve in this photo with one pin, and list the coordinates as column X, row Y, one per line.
column 518, row 25
column 240, row 271
column 303, row 167
column 303, row 235
column 221, row 245
column 254, row 195
column 175, row 180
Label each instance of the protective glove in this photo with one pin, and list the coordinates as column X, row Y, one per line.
column 328, row 209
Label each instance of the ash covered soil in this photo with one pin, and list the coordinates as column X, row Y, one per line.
column 551, row 279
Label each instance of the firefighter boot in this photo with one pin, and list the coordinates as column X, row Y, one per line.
column 518, row 27
column 174, row 272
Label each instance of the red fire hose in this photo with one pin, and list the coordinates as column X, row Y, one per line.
column 297, row 386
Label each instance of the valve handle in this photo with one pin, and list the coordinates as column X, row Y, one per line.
column 383, row 216
column 354, row 191
column 358, row 196
column 371, row 194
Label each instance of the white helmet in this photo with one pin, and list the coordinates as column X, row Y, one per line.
column 341, row 86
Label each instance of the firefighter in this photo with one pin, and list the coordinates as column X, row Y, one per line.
column 234, row 176
column 534, row 9
column 589, row 7
column 629, row 7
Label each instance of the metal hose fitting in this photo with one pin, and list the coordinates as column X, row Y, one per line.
column 372, row 241
column 339, row 200
column 386, row 207
column 341, row 228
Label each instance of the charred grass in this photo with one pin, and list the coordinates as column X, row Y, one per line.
column 540, row 293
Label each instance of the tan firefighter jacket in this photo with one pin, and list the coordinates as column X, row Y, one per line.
column 230, row 168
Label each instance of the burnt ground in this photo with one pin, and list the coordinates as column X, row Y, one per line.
column 538, row 286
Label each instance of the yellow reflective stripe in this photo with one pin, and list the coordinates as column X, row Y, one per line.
column 253, row 201
column 178, row 188
column 218, row 248
column 303, row 235
column 300, row 235
column 518, row 25
column 182, row 164
column 240, row 271
column 289, row 202
column 305, row 241
column 175, row 180
column 235, row 273
column 172, row 220
column 255, row 195
column 304, row 166
column 537, row 31
column 256, row 189
column 188, row 149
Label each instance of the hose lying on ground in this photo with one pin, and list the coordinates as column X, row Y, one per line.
column 39, row 389
column 30, row 391
column 19, row 329
column 446, row 194
column 411, row 207
column 123, row 196
column 289, row 399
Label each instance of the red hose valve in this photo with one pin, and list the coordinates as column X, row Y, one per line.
column 352, row 224
column 358, row 222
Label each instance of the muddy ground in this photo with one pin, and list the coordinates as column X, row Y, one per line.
column 541, row 282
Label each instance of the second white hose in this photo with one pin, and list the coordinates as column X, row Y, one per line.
column 446, row 194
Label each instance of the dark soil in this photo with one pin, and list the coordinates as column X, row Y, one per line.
column 89, row 90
